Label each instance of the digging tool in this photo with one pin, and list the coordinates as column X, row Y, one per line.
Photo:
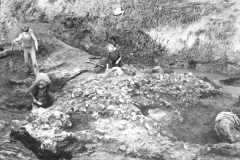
column 95, row 57
column 95, row 64
column 10, row 59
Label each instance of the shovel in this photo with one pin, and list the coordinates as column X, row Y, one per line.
column 10, row 59
column 95, row 63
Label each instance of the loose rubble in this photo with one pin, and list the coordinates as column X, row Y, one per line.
column 46, row 126
column 117, row 90
column 130, row 110
column 127, row 109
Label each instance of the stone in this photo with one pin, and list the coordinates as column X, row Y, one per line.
column 121, row 100
column 3, row 122
column 111, row 107
column 15, row 153
column 100, row 92
column 94, row 98
column 2, row 126
column 185, row 146
column 17, row 124
column 134, row 118
column 158, row 69
column 101, row 106
column 100, row 131
column 89, row 136
column 121, row 127
column 149, row 127
column 107, row 137
column 86, row 93
column 116, row 112
column 119, row 71
column 46, row 127
column 123, row 147
column 190, row 74
column 127, row 117
column 227, row 149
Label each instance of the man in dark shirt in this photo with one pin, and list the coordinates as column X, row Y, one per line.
column 114, row 57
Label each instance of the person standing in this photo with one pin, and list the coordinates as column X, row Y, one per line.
column 30, row 46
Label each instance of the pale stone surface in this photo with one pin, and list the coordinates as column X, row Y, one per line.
column 136, row 133
column 158, row 69
column 46, row 126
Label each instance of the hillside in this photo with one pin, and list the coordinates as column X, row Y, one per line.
column 170, row 33
column 133, row 113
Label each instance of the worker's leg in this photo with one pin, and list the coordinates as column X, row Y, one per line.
column 34, row 60
column 26, row 60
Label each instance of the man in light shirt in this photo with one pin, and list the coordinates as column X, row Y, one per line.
column 30, row 46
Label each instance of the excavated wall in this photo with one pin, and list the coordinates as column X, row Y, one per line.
column 167, row 33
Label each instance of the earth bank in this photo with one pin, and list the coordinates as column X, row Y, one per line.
column 173, row 33
column 120, row 114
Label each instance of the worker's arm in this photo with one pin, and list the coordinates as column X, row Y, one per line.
column 30, row 91
column 35, row 40
column 107, row 60
column 120, row 56
column 119, row 59
column 48, row 90
column 17, row 39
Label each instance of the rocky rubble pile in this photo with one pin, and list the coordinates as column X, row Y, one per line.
column 114, row 91
column 46, row 126
column 131, row 110
column 12, row 154
column 126, row 110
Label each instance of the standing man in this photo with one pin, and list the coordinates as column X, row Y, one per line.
column 30, row 46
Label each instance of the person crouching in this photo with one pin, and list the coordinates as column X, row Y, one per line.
column 227, row 127
column 40, row 90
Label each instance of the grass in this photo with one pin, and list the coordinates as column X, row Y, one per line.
column 140, row 15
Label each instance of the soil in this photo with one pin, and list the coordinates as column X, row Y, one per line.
column 198, row 124
column 234, row 81
column 6, row 92
column 197, row 127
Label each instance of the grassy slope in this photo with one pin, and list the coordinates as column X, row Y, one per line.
column 198, row 30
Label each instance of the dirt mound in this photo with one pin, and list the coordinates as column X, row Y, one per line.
column 198, row 124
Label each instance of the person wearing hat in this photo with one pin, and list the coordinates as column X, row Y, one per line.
column 30, row 46
column 227, row 125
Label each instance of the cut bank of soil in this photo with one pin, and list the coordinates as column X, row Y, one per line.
column 198, row 124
